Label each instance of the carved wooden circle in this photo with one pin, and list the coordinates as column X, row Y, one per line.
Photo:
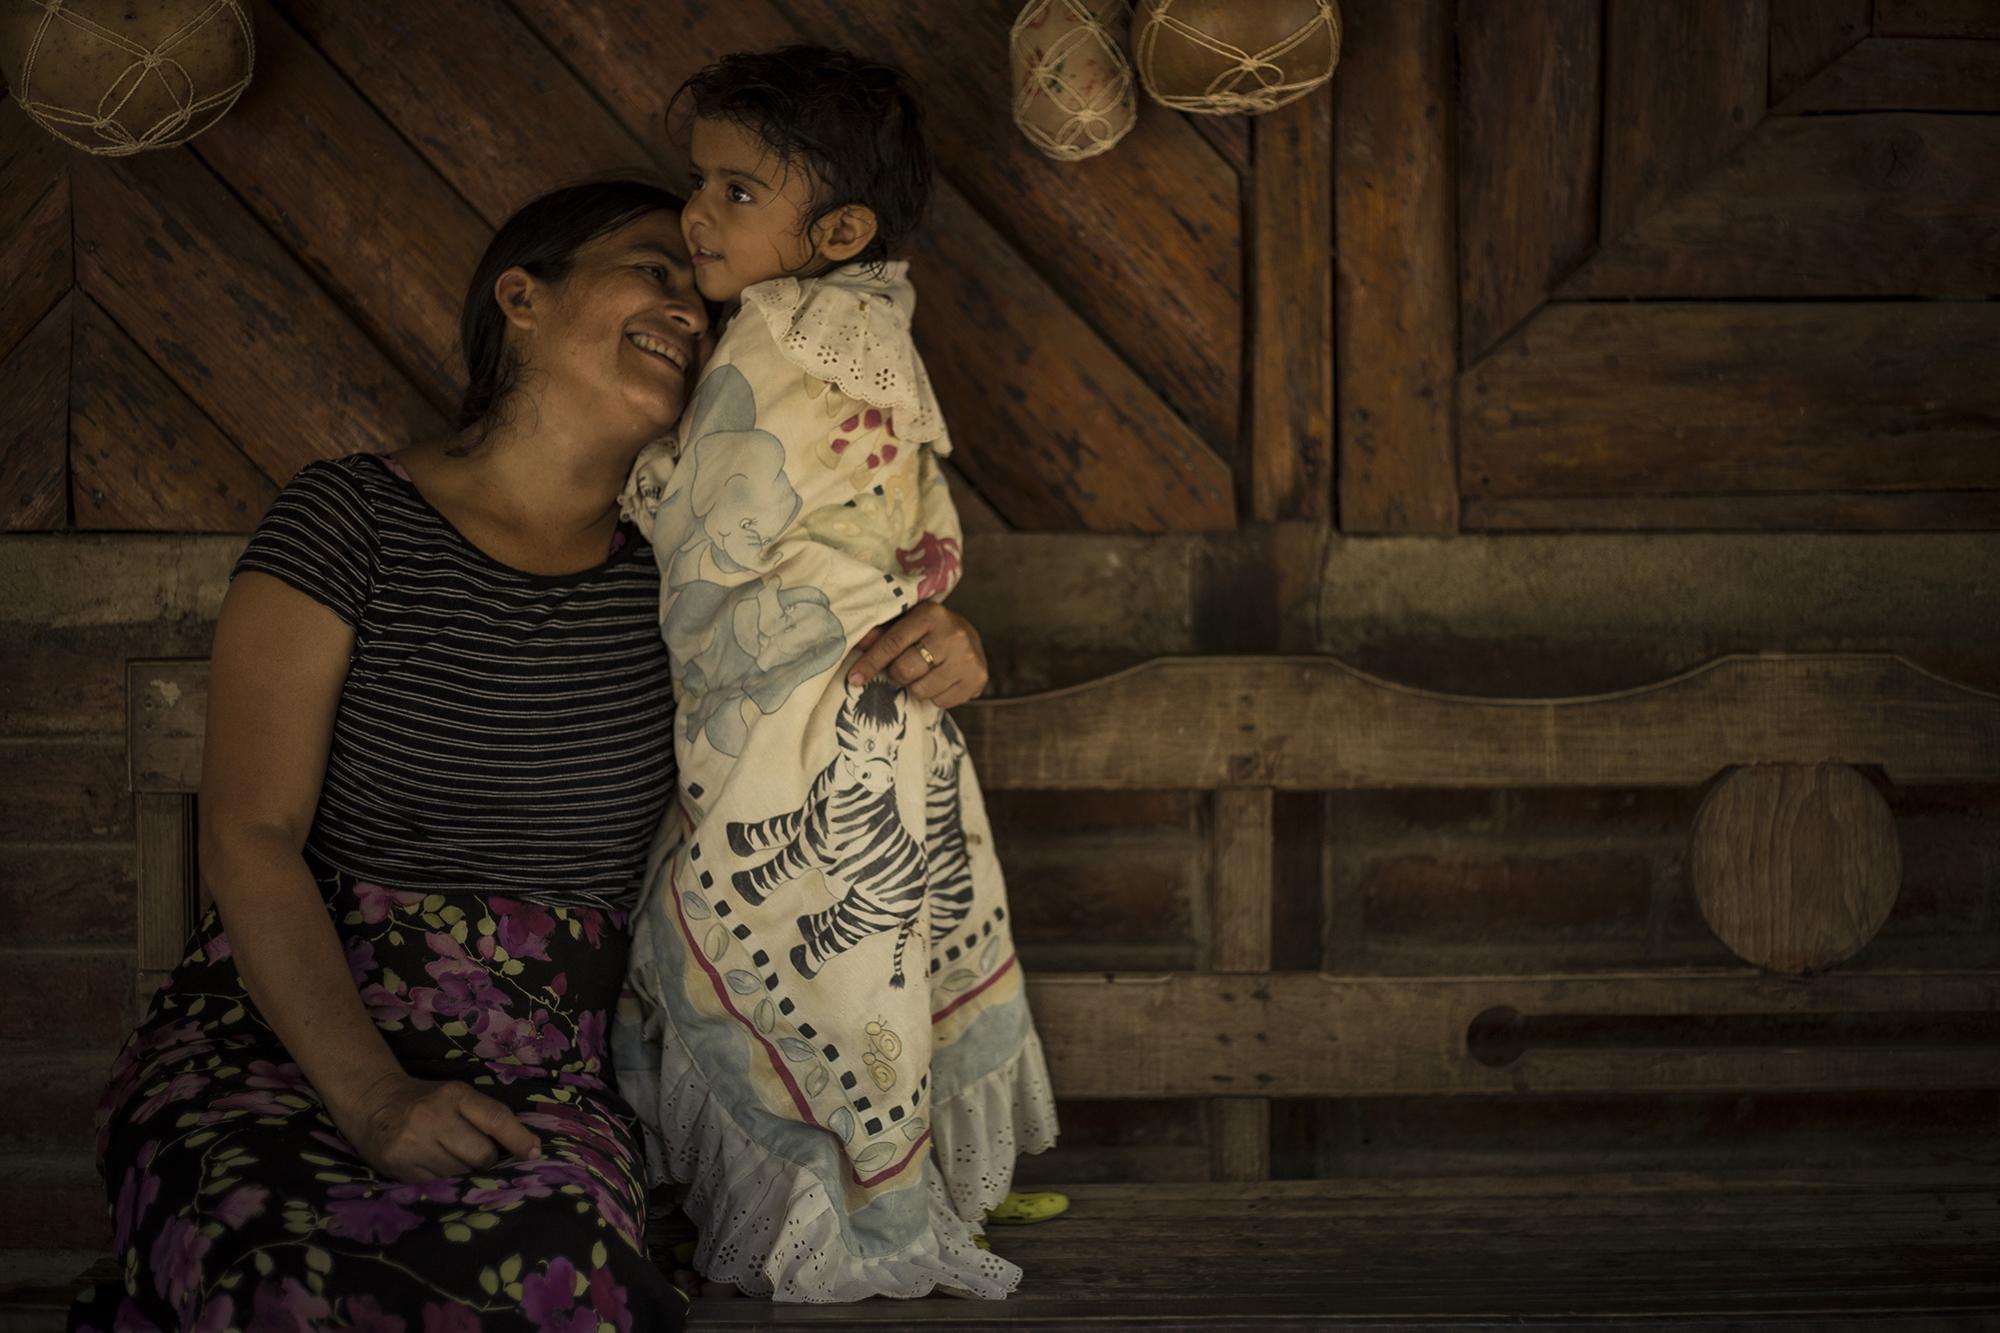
column 1795, row 866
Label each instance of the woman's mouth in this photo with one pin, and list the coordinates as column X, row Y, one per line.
column 671, row 353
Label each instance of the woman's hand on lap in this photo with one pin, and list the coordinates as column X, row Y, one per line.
column 933, row 651
column 413, row 1129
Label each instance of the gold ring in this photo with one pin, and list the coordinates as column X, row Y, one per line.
column 925, row 653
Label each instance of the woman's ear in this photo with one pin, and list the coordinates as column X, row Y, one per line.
column 846, row 232
column 515, row 291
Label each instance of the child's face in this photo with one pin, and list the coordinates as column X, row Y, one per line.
column 744, row 223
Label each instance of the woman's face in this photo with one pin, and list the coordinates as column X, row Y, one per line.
column 621, row 339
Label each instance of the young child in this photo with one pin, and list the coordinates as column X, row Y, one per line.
column 847, row 1067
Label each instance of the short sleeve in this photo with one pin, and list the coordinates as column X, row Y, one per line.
column 318, row 537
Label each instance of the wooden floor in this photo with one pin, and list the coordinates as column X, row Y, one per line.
column 1625, row 1251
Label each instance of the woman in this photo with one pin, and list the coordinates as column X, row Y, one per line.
column 438, row 747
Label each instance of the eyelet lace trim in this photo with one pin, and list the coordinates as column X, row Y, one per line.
column 851, row 327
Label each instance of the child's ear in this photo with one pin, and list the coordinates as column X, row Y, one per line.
column 515, row 291
column 846, row 232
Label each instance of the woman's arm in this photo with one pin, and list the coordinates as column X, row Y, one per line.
column 955, row 672
column 279, row 664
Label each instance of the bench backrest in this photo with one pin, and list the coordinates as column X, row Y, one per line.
column 1243, row 728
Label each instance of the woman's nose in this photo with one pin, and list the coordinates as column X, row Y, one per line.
column 688, row 310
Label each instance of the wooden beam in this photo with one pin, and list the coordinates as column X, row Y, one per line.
column 1846, row 511
column 1307, row 1034
column 1670, row 398
column 1821, row 206
column 1906, row 74
column 34, row 425
column 1809, row 35
column 1530, row 101
column 141, row 455
column 1683, row 83
column 1315, row 723
column 1396, row 329
column 1240, row 908
column 1291, row 313
column 165, row 832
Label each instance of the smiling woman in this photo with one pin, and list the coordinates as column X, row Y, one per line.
column 377, row 1091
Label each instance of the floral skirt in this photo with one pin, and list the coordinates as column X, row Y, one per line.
column 236, row 1203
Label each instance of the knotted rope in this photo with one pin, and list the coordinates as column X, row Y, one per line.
column 1097, row 117
column 113, row 138
column 1225, row 93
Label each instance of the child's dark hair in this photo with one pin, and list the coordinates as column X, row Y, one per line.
column 542, row 238
column 851, row 123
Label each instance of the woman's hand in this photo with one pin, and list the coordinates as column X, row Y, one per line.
column 936, row 653
column 413, row 1129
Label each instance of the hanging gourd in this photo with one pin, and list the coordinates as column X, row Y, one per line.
column 1226, row 57
column 1073, row 90
column 114, row 77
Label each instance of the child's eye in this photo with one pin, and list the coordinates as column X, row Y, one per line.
column 738, row 195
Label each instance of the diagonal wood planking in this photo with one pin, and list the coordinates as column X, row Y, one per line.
column 1937, row 18
column 142, row 456
column 35, row 267
column 1820, row 206
column 1906, row 74
column 1051, row 424
column 232, row 319
column 34, row 424
column 1808, row 35
column 353, row 203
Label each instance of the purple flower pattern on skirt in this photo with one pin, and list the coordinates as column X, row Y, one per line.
column 237, row 1204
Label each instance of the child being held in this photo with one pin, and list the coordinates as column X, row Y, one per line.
column 847, row 1066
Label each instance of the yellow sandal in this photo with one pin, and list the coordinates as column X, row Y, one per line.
column 1025, row 1207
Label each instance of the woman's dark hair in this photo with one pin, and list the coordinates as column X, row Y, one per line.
column 850, row 123
column 542, row 238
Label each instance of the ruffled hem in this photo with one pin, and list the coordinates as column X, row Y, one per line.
column 980, row 1130
column 769, row 1227
column 851, row 328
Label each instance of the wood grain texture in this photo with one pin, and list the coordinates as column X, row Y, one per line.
column 1906, row 74
column 1305, row 1034
column 1530, row 99
column 1306, row 723
column 1795, row 867
column 1671, row 398
column 1240, row 912
column 1851, row 511
column 1821, row 206
column 1682, row 83
column 1291, row 313
column 141, row 455
column 1089, row 445
column 1937, row 18
column 35, row 266
column 233, row 320
column 167, row 875
column 1396, row 333
column 1697, row 1252
column 1808, row 35
column 354, row 204
column 167, row 707
column 34, row 425
column 487, row 104
column 1148, row 240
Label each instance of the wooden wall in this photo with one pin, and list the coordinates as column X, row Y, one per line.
column 1575, row 267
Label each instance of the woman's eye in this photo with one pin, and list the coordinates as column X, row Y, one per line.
column 654, row 271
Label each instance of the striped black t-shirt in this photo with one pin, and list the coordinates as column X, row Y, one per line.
column 498, row 730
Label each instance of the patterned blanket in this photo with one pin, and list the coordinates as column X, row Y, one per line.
column 839, row 1059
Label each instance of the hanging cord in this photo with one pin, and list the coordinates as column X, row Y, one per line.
column 1097, row 118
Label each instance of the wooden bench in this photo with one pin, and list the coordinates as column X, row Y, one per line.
column 1795, row 859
